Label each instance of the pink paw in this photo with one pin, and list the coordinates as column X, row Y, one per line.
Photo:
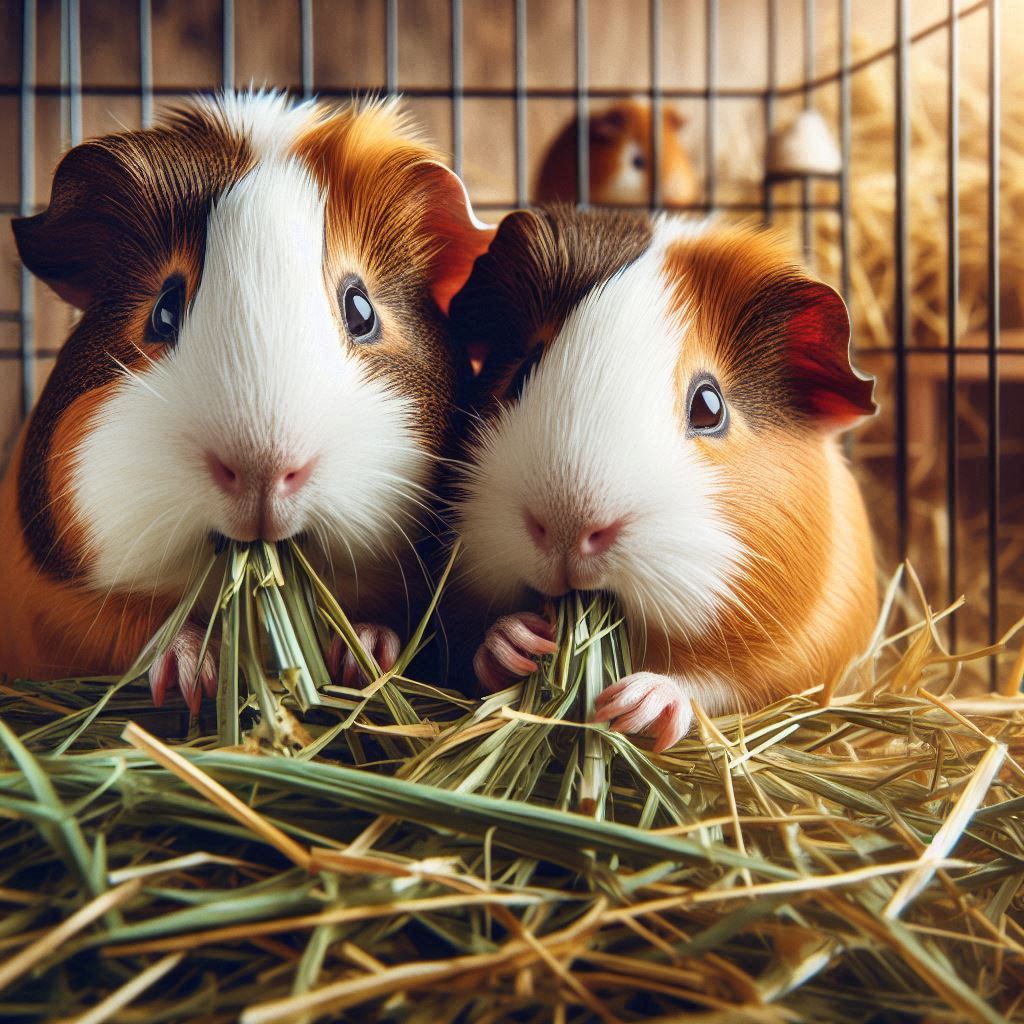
column 510, row 647
column 644, row 702
column 380, row 642
column 179, row 666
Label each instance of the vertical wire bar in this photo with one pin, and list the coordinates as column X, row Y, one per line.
column 65, row 63
column 146, row 61
column 75, row 71
column 457, row 86
column 993, row 330
column 952, row 306
column 26, row 203
column 654, row 13
column 520, row 59
column 227, row 61
column 807, row 183
column 711, row 113
column 306, row 29
column 391, row 48
column 582, row 115
column 902, row 283
column 844, row 148
column 772, row 28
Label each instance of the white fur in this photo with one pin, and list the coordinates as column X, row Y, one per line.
column 267, row 118
column 597, row 436
column 261, row 369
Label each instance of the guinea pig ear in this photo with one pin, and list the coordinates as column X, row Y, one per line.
column 450, row 219
column 825, row 385
column 65, row 244
column 42, row 246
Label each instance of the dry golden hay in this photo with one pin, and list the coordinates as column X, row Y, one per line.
column 872, row 203
column 422, row 857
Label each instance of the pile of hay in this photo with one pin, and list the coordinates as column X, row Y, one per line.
column 873, row 209
column 418, row 856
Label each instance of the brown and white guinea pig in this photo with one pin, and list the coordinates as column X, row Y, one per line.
column 262, row 353
column 620, row 159
column 657, row 418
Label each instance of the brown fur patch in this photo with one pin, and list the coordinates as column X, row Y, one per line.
column 540, row 265
column 125, row 211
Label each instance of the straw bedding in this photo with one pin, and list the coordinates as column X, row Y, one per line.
column 406, row 853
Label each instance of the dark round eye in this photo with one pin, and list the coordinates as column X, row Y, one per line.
column 523, row 374
column 360, row 316
column 639, row 161
column 707, row 408
column 165, row 319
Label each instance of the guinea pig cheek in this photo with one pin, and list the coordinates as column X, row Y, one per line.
column 75, row 426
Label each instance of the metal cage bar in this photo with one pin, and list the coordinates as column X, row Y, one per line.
column 26, row 202
column 952, row 304
column 306, row 46
column 582, row 113
column 227, row 59
column 772, row 70
column 522, row 171
column 391, row 48
column 845, row 135
column 654, row 29
column 902, row 268
column 458, row 86
column 993, row 329
column 146, row 62
column 74, row 72
column 711, row 111
column 807, row 182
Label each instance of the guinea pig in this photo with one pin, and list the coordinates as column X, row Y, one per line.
column 657, row 418
column 262, row 353
column 620, row 159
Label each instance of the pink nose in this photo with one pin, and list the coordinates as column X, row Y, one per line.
column 235, row 480
column 594, row 541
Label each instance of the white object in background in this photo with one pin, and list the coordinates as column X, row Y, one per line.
column 804, row 147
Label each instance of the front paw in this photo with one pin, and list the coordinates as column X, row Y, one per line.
column 658, row 706
column 510, row 647
column 380, row 642
column 179, row 666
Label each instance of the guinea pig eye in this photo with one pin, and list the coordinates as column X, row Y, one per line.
column 360, row 316
column 639, row 161
column 165, row 318
column 707, row 408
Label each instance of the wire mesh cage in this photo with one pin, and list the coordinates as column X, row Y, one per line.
column 916, row 225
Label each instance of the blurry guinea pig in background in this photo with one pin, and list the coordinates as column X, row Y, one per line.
column 658, row 418
column 620, row 159
column 262, row 353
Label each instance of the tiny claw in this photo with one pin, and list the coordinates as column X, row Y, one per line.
column 179, row 666
column 510, row 649
column 646, row 703
column 160, row 674
column 380, row 642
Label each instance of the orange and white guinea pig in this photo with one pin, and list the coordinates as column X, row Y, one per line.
column 620, row 157
column 658, row 418
column 262, row 353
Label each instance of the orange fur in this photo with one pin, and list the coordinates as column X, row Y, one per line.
column 53, row 628
column 806, row 604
